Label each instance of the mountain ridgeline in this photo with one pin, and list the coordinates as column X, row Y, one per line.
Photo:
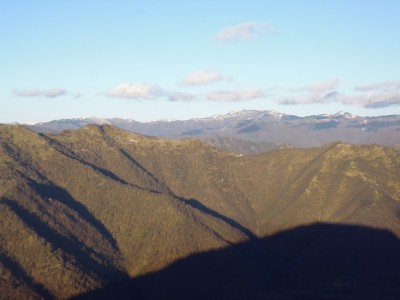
column 256, row 131
column 101, row 212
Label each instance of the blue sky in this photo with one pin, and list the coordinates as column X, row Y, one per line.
column 149, row 60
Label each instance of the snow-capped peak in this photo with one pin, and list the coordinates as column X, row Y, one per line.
column 343, row 114
column 244, row 114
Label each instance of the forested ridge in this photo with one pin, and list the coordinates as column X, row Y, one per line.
column 82, row 210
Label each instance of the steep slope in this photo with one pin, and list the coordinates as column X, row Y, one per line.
column 48, row 239
column 86, row 208
column 84, row 225
column 281, row 188
column 188, row 169
column 336, row 183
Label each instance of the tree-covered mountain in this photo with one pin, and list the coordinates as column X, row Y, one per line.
column 90, row 208
column 254, row 131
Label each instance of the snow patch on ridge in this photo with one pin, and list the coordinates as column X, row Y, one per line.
column 243, row 114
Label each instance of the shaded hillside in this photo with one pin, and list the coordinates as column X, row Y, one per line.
column 86, row 208
column 73, row 226
column 278, row 189
column 319, row 261
column 335, row 183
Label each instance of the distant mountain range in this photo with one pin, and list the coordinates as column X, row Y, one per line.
column 254, row 131
column 102, row 213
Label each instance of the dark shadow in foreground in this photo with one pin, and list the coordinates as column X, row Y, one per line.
column 319, row 261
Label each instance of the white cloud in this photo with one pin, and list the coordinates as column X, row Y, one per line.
column 319, row 92
column 368, row 100
column 376, row 95
column 231, row 96
column 147, row 92
column 241, row 31
column 387, row 85
column 49, row 93
column 374, row 100
column 202, row 77
column 135, row 91
column 373, row 95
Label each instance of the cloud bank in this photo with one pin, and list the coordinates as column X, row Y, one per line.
column 318, row 92
column 142, row 91
column 146, row 91
column 372, row 95
column 374, row 100
column 376, row 95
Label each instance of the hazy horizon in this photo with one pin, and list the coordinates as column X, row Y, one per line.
column 179, row 119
